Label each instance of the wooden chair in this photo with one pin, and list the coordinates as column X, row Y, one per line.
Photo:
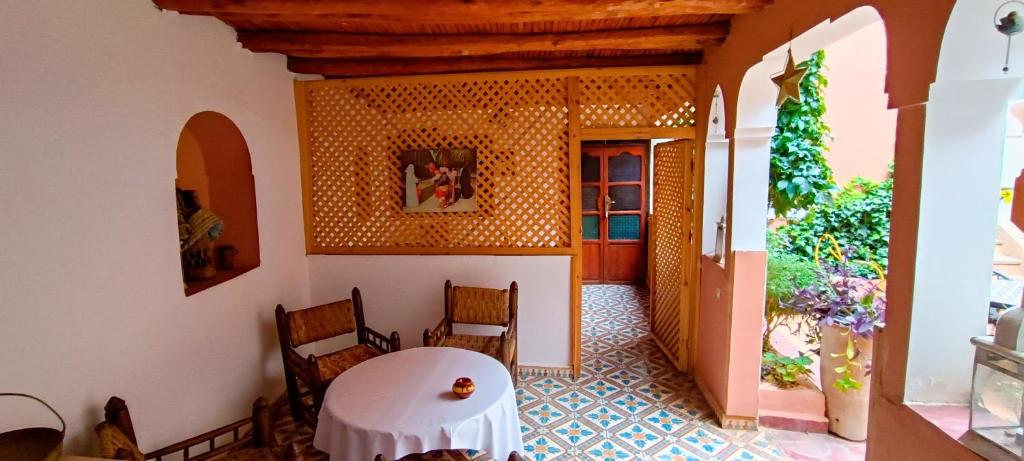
column 480, row 306
column 451, row 455
column 251, row 439
column 315, row 373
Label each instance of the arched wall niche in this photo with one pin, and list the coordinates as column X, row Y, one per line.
column 716, row 172
column 213, row 160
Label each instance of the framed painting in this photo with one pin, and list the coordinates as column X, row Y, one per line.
column 439, row 180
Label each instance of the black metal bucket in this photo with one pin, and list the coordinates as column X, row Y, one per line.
column 32, row 443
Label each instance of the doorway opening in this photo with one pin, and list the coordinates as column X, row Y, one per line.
column 615, row 200
column 628, row 189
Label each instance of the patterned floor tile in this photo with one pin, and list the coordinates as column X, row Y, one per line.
column 702, row 439
column 542, row 449
column 608, row 451
column 667, row 422
column 675, row 453
column 639, row 436
column 574, row 401
column 629, row 403
column 544, row 414
column 605, row 418
column 574, row 433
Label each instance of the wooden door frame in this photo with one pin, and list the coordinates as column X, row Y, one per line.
column 578, row 134
column 645, row 208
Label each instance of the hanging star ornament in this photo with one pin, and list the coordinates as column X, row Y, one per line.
column 789, row 81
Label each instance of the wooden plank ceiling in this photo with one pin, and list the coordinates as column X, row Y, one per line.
column 362, row 38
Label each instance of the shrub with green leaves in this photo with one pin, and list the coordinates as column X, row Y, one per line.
column 858, row 218
column 787, row 274
column 798, row 173
column 784, row 372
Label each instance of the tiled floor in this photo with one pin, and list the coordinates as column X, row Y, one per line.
column 629, row 402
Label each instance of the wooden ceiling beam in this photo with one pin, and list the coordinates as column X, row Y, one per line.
column 462, row 11
column 421, row 66
column 344, row 45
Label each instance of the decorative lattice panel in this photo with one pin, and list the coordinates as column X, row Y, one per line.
column 663, row 99
column 672, row 242
column 357, row 129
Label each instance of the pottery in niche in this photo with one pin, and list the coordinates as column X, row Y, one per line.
column 198, row 228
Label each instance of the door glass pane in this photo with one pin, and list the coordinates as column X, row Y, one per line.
column 625, row 167
column 591, row 166
column 627, row 198
column 624, row 227
column 591, row 231
column 590, row 195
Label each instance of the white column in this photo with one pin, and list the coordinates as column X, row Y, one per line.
column 752, row 150
column 964, row 136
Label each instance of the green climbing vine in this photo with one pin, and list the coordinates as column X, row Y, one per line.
column 799, row 175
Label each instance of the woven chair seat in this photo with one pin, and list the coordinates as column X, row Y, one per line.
column 448, row 455
column 335, row 363
column 488, row 345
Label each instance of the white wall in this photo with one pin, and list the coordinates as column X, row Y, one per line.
column 959, row 206
column 964, row 141
column 93, row 95
column 406, row 293
column 972, row 48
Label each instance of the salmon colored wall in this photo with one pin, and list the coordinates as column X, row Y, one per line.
column 728, row 365
column 192, row 168
column 712, row 364
column 914, row 36
column 863, row 128
column 747, row 273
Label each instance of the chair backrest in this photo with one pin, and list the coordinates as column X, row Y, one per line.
column 115, row 412
column 116, row 433
column 321, row 322
column 481, row 306
column 117, row 436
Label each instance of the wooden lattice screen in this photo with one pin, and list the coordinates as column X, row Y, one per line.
column 659, row 99
column 672, row 245
column 352, row 131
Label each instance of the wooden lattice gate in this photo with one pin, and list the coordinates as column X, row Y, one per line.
column 672, row 249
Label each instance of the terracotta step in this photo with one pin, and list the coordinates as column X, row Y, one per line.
column 801, row 408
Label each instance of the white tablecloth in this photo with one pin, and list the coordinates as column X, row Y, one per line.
column 402, row 403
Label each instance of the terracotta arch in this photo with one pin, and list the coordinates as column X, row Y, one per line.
column 743, row 66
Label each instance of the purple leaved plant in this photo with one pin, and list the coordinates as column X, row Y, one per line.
column 842, row 299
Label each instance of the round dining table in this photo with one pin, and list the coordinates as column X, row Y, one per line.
column 402, row 402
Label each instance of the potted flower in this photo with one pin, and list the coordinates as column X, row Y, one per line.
column 845, row 312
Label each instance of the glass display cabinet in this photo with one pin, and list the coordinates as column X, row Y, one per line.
column 997, row 391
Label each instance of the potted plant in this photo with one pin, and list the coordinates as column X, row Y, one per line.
column 787, row 275
column 845, row 312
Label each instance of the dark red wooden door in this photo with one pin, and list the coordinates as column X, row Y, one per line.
column 614, row 212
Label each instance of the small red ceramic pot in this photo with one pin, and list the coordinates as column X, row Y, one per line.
column 463, row 387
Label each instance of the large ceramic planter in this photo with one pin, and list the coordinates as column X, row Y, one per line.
column 847, row 411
